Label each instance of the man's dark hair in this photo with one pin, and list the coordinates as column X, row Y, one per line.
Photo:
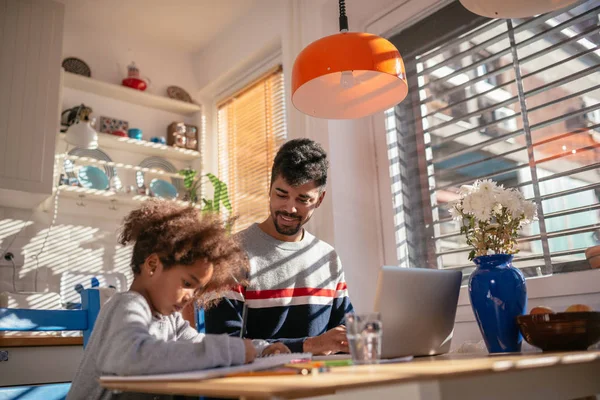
column 300, row 161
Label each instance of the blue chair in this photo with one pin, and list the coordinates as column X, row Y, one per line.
column 26, row 320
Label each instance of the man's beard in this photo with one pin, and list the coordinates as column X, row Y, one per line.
column 287, row 230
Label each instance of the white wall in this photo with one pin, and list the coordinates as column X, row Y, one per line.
column 108, row 57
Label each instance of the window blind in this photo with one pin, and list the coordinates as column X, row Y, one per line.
column 251, row 127
column 516, row 101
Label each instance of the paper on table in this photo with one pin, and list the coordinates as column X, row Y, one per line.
column 258, row 364
column 342, row 357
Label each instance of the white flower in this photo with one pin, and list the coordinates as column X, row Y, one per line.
column 465, row 190
column 455, row 212
column 480, row 205
column 488, row 186
column 487, row 202
column 497, row 208
column 512, row 200
column 467, row 207
column 530, row 211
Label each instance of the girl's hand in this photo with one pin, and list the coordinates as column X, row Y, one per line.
column 250, row 351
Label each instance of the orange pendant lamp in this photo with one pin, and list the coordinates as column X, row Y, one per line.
column 348, row 75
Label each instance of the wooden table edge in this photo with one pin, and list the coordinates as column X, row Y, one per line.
column 166, row 387
column 36, row 341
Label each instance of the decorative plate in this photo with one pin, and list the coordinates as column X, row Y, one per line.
column 91, row 177
column 76, row 66
column 178, row 93
column 95, row 154
column 161, row 163
column 163, row 189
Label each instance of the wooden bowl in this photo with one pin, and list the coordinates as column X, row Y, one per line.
column 564, row 331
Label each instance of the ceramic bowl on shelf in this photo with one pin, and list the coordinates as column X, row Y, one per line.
column 91, row 177
column 158, row 139
column 163, row 189
column 119, row 133
column 135, row 133
column 563, row 331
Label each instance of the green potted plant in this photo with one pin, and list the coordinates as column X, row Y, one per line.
column 191, row 184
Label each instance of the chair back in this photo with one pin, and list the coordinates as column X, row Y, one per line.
column 27, row 320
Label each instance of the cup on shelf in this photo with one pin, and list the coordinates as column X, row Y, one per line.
column 135, row 133
column 180, row 140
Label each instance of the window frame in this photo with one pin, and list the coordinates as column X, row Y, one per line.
column 397, row 18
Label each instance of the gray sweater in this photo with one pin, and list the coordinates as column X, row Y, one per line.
column 129, row 340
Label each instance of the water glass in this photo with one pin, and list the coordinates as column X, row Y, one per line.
column 364, row 333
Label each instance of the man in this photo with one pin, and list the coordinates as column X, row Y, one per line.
column 297, row 293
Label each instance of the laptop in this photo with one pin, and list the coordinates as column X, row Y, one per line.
column 418, row 309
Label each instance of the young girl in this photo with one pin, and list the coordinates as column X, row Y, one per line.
column 178, row 256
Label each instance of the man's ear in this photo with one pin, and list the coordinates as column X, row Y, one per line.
column 321, row 197
column 152, row 265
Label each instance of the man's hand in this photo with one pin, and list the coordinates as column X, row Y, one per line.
column 275, row 348
column 331, row 342
column 250, row 351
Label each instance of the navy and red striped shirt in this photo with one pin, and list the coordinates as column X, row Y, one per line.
column 297, row 290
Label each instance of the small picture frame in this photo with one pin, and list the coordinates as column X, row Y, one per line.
column 109, row 125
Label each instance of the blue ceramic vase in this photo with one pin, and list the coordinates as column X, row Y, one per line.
column 498, row 295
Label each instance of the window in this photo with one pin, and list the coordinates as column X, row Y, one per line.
column 251, row 127
column 516, row 101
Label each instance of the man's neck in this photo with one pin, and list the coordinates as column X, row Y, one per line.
column 268, row 227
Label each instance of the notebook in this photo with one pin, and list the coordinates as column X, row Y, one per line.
column 262, row 363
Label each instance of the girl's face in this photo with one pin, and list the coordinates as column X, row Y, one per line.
column 170, row 290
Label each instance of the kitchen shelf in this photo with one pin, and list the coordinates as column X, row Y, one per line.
column 102, row 163
column 108, row 141
column 107, row 196
column 129, row 95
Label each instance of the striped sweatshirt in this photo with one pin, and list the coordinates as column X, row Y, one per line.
column 297, row 290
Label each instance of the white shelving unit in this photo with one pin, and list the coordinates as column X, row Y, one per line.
column 129, row 95
column 125, row 152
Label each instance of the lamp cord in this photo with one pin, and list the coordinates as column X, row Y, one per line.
column 36, row 256
column 343, row 17
column 14, row 276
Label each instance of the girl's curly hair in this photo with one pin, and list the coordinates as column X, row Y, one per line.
column 182, row 235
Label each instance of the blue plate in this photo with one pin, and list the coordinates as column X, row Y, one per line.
column 163, row 189
column 91, row 177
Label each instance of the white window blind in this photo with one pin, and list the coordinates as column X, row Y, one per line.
column 251, row 128
column 516, row 101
